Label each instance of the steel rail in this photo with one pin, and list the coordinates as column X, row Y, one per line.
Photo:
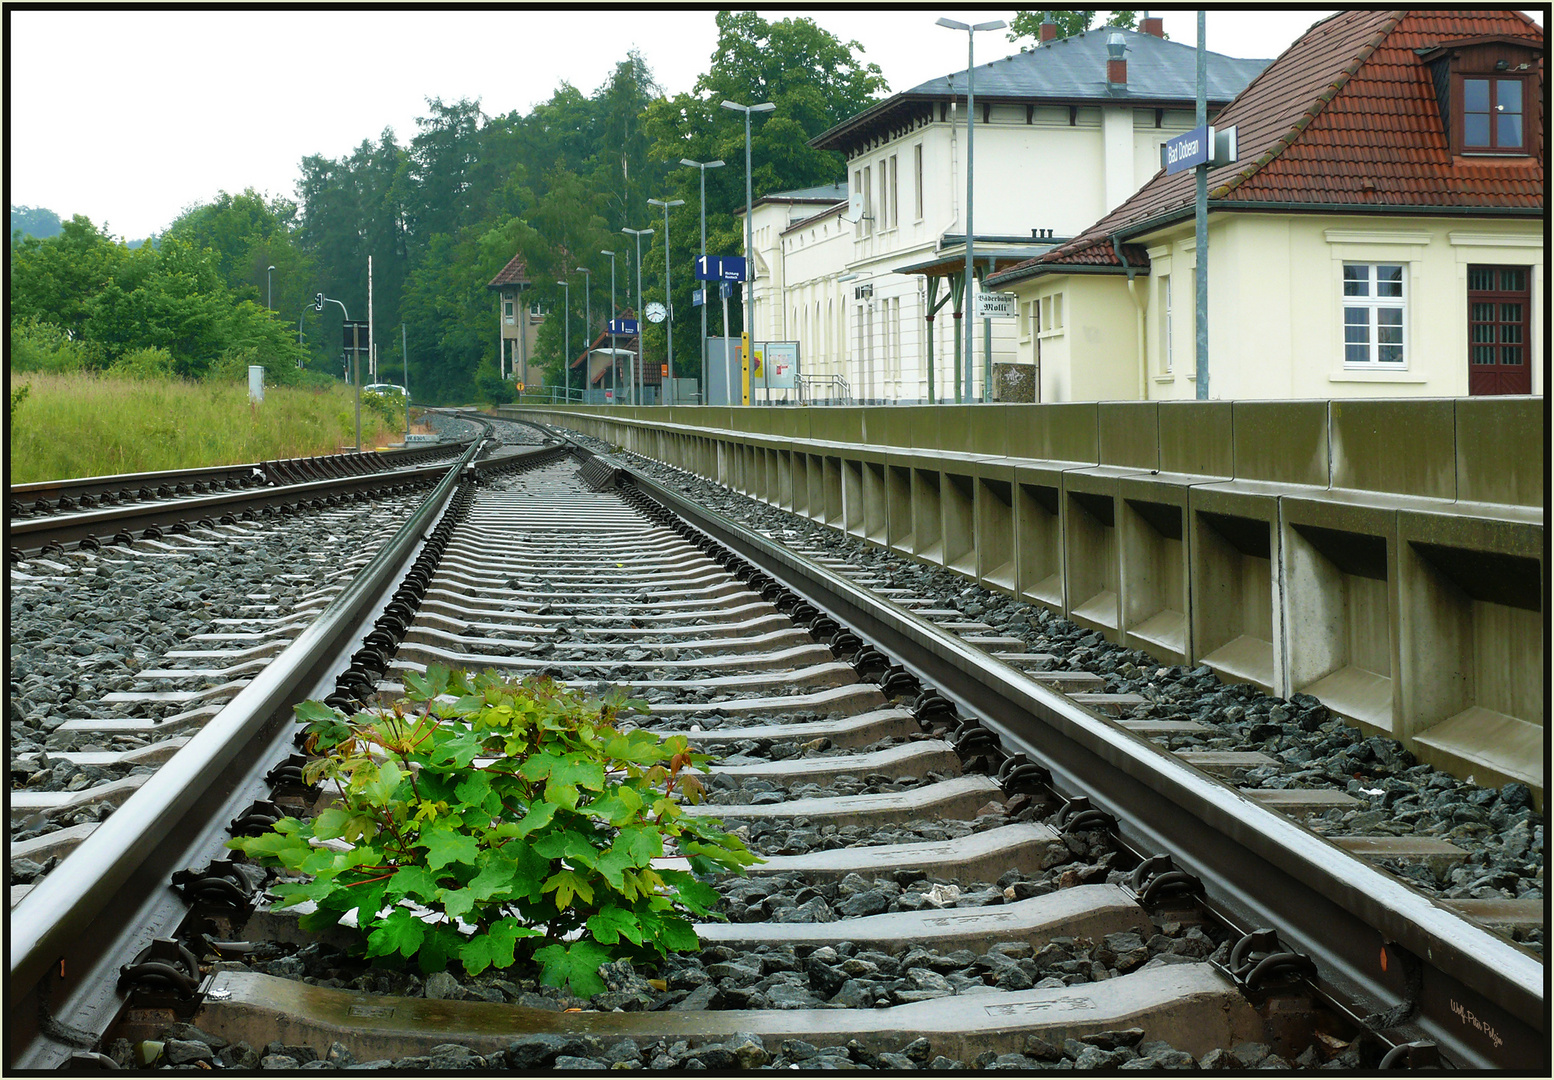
column 1375, row 940
column 63, row 946
column 248, row 473
column 31, row 534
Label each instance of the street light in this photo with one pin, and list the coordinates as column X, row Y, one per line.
column 588, row 285
column 268, row 306
column 997, row 24
column 566, row 335
column 744, row 340
column 668, row 301
column 704, row 166
column 637, row 377
column 613, row 312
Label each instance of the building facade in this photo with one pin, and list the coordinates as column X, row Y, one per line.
column 1381, row 234
column 1063, row 133
column 519, row 323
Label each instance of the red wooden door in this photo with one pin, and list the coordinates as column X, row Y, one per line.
column 1499, row 299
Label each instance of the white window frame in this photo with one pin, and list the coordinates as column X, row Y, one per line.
column 1372, row 302
column 1167, row 328
column 868, row 201
column 895, row 200
column 918, row 152
column 507, row 312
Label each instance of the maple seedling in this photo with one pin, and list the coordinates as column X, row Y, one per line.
column 495, row 821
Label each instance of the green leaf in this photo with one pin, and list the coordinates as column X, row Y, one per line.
column 538, row 817
column 414, row 882
column 380, row 788
column 495, row 947
column 330, row 823
column 575, row 967
column 678, row 934
column 444, row 846
column 612, row 923
column 474, row 788
column 458, row 751
column 399, row 932
column 566, row 884
column 569, row 845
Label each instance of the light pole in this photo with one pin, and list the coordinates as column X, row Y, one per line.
column 668, row 301
column 744, row 338
column 588, row 326
column 267, row 304
column 703, row 166
column 566, row 336
column 637, row 377
column 997, row 24
column 613, row 380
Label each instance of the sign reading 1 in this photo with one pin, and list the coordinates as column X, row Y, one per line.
column 721, row 268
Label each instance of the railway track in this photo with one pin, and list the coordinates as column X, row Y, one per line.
column 961, row 847
column 93, row 511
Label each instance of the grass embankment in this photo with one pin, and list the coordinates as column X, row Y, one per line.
column 94, row 425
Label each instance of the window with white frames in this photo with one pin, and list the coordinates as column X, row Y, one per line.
column 894, row 202
column 1374, row 309
column 917, row 153
column 1167, row 338
column 507, row 312
column 858, row 188
column 868, row 200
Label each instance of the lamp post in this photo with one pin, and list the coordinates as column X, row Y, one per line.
column 588, row 284
column 566, row 334
column 637, row 378
column 703, row 166
column 971, row 31
column 613, row 313
column 668, row 301
column 267, row 304
column 744, row 338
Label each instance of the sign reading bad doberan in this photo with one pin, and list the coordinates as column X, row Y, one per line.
column 1200, row 146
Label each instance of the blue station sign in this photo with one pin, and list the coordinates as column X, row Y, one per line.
column 1188, row 150
column 721, row 268
column 623, row 326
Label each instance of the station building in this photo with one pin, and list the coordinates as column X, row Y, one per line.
column 1064, row 133
column 1380, row 235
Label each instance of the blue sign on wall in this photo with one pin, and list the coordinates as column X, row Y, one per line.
column 1187, row 150
column 721, row 268
column 623, row 326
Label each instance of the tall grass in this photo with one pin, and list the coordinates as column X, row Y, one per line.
column 81, row 424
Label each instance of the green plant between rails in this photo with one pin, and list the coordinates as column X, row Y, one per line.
column 496, row 820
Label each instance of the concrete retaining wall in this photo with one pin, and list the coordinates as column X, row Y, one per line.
column 1386, row 556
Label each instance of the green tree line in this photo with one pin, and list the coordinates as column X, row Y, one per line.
column 441, row 213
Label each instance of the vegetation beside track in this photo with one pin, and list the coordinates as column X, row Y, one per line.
column 514, row 811
column 83, row 424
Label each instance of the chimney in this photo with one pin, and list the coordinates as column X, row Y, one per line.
column 1116, row 64
column 1152, row 25
column 1049, row 31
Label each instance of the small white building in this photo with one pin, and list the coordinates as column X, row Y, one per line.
column 1064, row 133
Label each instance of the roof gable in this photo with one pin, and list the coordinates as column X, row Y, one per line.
column 1347, row 116
column 516, row 272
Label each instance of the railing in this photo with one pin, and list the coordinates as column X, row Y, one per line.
column 833, row 387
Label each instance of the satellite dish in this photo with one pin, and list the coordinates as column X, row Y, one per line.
column 854, row 212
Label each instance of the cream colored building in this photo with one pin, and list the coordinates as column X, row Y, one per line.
column 518, row 322
column 1063, row 134
column 1361, row 247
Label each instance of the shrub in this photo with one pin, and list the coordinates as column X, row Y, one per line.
column 152, row 363
column 18, row 395
column 518, row 815
column 40, row 346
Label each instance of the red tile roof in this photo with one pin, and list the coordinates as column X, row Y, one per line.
column 1347, row 116
column 516, row 272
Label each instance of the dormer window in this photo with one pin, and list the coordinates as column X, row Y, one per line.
column 1492, row 115
column 1485, row 89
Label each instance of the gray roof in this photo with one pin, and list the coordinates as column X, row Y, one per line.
column 823, row 193
column 1069, row 70
column 1074, row 68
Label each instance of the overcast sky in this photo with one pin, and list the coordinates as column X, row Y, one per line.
column 129, row 116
